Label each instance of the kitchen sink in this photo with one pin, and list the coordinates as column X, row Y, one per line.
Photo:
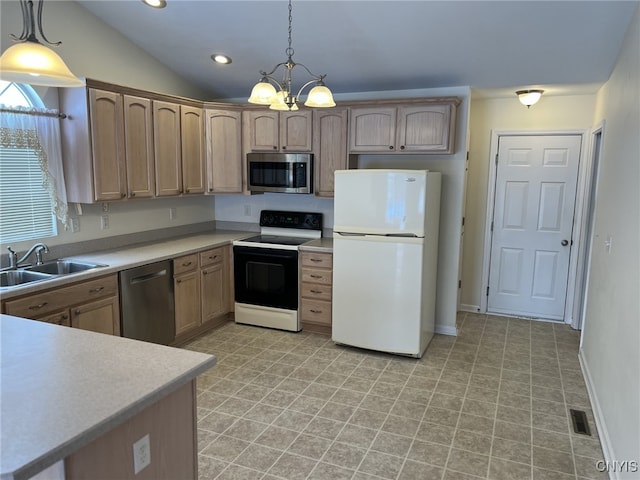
column 12, row 278
column 62, row 267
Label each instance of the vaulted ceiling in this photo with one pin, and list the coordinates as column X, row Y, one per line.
column 381, row 45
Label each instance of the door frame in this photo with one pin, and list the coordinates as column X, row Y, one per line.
column 578, row 225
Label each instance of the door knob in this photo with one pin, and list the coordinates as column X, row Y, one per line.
column 564, row 243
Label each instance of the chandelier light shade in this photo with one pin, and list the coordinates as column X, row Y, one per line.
column 529, row 97
column 29, row 61
column 279, row 94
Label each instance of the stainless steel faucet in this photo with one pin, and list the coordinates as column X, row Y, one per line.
column 38, row 248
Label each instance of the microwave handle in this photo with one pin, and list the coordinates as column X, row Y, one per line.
column 291, row 171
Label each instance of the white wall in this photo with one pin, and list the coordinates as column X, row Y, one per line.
column 94, row 50
column 567, row 112
column 610, row 350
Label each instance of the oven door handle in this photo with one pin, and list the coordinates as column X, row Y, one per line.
column 264, row 252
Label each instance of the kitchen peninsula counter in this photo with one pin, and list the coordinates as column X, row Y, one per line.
column 64, row 389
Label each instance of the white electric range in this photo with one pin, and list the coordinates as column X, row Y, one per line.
column 266, row 269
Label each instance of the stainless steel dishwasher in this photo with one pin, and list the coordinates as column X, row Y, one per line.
column 147, row 309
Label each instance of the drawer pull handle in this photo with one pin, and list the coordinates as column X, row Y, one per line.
column 186, row 264
column 315, row 311
column 204, row 272
column 96, row 290
column 38, row 307
column 315, row 276
column 65, row 316
column 213, row 257
column 315, row 291
column 315, row 259
column 178, row 281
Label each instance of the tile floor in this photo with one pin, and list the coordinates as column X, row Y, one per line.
column 491, row 403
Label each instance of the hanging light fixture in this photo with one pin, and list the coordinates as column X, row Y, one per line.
column 29, row 61
column 529, row 97
column 265, row 93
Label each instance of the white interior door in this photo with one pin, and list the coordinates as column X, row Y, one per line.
column 535, row 192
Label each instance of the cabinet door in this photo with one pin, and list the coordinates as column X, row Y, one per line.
column 224, row 151
column 213, row 291
column 138, row 146
column 295, row 131
column 424, row 128
column 263, row 130
column 101, row 316
column 187, row 298
column 192, row 138
column 329, row 147
column 107, row 145
column 372, row 129
column 168, row 149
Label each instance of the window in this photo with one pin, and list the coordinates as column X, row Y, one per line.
column 26, row 211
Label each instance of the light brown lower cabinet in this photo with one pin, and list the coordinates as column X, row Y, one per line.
column 202, row 291
column 315, row 291
column 89, row 305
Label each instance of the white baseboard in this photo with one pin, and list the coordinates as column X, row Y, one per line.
column 603, row 433
column 469, row 308
column 446, row 330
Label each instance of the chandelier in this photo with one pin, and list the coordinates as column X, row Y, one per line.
column 29, row 61
column 264, row 92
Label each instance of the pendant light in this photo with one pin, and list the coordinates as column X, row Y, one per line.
column 29, row 61
column 265, row 93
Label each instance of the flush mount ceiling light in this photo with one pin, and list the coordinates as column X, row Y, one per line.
column 29, row 61
column 221, row 58
column 529, row 97
column 265, row 93
column 155, row 3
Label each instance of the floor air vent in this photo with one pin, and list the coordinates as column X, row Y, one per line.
column 580, row 422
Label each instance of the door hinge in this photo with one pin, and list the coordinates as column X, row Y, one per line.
column 487, row 290
column 459, row 283
column 467, row 154
column 492, row 225
column 463, row 221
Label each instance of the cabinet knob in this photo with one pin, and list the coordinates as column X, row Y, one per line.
column 402, row 147
column 275, row 147
column 210, row 189
column 123, row 195
column 133, row 194
column 390, row 147
column 77, row 311
column 204, row 272
column 187, row 191
column 178, row 281
column 65, row 316
column 284, row 148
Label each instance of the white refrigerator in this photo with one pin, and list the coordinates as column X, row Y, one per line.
column 385, row 250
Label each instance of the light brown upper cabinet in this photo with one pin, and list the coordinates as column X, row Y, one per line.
column 92, row 140
column 274, row 131
column 193, row 159
column 410, row 128
column 138, row 142
column 224, row 151
column 178, row 132
column 329, row 147
column 168, row 148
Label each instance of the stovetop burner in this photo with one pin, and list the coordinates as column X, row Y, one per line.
column 277, row 239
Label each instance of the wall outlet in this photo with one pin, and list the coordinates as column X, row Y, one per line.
column 141, row 454
column 75, row 225
column 173, row 213
column 105, row 207
column 247, row 210
column 104, row 222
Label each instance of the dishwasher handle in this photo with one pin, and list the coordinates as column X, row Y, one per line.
column 147, row 277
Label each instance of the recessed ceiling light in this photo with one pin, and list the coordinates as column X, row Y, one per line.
column 221, row 58
column 155, row 3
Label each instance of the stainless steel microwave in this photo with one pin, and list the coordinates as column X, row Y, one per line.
column 280, row 172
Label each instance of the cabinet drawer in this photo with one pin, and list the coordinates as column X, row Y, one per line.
column 59, row 318
column 316, row 275
column 209, row 257
column 316, row 311
column 322, row 260
column 41, row 304
column 315, row 291
column 186, row 263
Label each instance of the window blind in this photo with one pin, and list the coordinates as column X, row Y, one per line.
column 25, row 205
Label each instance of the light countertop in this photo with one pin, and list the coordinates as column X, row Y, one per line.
column 136, row 255
column 64, row 387
column 324, row 245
